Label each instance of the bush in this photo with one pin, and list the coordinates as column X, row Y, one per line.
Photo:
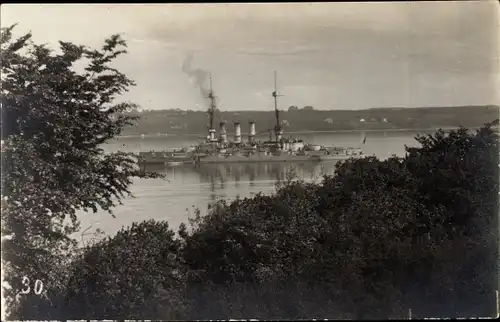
column 136, row 274
column 380, row 236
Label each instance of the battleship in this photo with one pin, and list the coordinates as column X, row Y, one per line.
column 218, row 149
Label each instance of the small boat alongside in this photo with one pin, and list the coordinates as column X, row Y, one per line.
column 175, row 157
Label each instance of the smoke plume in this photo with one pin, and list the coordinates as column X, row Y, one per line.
column 198, row 76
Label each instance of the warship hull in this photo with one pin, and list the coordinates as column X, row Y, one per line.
column 258, row 157
column 269, row 158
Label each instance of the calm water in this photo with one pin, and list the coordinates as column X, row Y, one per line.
column 189, row 185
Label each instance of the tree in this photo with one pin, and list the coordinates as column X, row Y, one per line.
column 447, row 200
column 458, row 172
column 293, row 108
column 54, row 120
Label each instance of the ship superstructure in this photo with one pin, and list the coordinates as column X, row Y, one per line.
column 221, row 149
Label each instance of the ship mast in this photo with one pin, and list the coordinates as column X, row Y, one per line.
column 277, row 128
column 211, row 109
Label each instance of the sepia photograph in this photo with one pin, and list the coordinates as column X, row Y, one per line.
column 217, row 161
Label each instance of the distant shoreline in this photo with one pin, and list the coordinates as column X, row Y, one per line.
column 190, row 123
column 309, row 132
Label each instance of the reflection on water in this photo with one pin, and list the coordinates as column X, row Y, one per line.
column 223, row 180
column 227, row 176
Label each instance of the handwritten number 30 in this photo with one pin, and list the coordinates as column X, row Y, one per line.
column 37, row 289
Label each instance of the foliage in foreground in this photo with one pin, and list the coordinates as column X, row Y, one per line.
column 54, row 120
column 372, row 241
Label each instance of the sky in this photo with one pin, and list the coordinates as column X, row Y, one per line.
column 329, row 55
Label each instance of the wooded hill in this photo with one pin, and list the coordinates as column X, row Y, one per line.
column 196, row 122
